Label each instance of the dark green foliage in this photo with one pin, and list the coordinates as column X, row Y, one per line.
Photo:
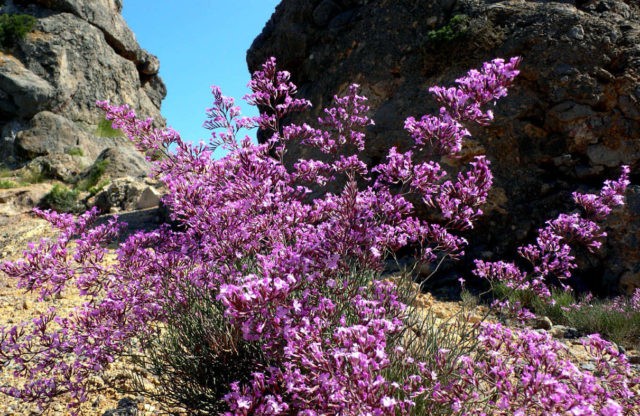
column 62, row 199
column 7, row 183
column 93, row 177
column 620, row 325
column 14, row 27
column 454, row 29
column 528, row 299
column 74, row 151
column 198, row 354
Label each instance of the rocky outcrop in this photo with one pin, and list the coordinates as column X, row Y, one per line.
column 78, row 52
column 126, row 194
column 571, row 119
column 16, row 201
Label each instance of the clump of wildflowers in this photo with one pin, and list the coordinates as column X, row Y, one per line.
column 618, row 318
column 551, row 257
column 525, row 372
column 297, row 277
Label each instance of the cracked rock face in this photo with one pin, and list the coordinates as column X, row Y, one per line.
column 80, row 51
column 571, row 119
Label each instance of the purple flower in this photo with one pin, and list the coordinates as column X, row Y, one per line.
column 299, row 273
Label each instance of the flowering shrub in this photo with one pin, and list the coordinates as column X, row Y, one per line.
column 296, row 277
column 551, row 256
column 524, row 372
column 197, row 356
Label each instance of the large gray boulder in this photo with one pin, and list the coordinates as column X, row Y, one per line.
column 120, row 163
column 22, row 92
column 49, row 133
column 571, row 119
column 21, row 200
column 126, row 194
column 79, row 52
column 105, row 15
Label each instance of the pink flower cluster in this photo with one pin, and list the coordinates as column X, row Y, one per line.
column 298, row 277
column 551, row 257
column 525, row 372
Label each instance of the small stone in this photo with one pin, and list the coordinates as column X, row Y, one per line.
column 439, row 314
column 127, row 402
column 558, row 331
column 25, row 304
column 474, row 319
column 577, row 32
column 604, row 75
column 600, row 154
column 542, row 323
column 150, row 198
column 126, row 407
column 98, row 401
column 633, row 359
column 571, row 333
column 95, row 381
column 588, row 366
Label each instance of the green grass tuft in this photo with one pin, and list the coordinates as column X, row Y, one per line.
column 98, row 187
column 31, row 175
column 94, row 176
column 8, row 183
column 425, row 337
column 74, row 151
column 615, row 319
column 5, row 172
column 14, row 27
column 618, row 323
column 62, row 199
column 105, row 130
column 456, row 28
column 198, row 354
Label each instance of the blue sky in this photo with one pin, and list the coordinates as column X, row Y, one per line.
column 200, row 43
